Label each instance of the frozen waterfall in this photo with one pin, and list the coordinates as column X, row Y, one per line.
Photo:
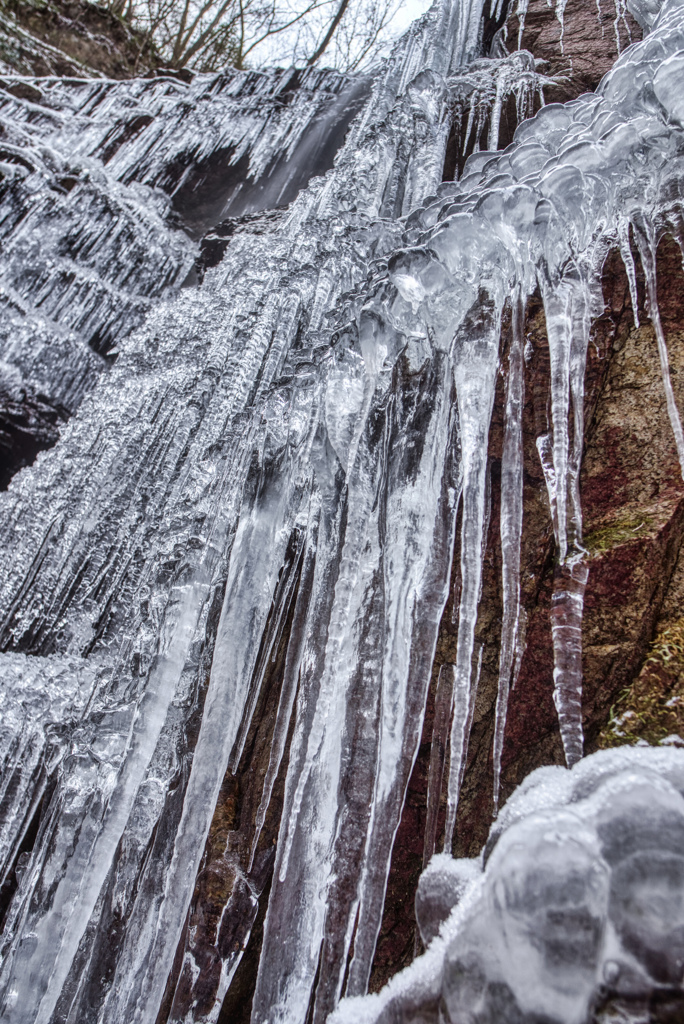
column 280, row 370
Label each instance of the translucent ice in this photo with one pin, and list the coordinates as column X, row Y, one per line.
column 275, row 464
column 576, row 906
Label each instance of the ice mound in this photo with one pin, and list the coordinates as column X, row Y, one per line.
column 574, row 912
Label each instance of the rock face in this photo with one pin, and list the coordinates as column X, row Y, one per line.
column 195, row 452
column 580, row 50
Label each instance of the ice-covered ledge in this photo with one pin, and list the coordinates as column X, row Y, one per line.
column 573, row 912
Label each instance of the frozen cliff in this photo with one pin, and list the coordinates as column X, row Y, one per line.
column 274, row 335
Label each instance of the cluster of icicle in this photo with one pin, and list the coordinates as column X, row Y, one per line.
column 90, row 232
column 255, row 469
column 542, row 213
column 479, row 91
column 574, row 911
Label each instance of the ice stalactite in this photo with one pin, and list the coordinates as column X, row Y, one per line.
column 444, row 700
column 647, row 250
column 511, row 529
column 567, row 307
column 272, row 468
column 476, row 364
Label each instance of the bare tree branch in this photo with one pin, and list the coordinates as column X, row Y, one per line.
column 325, row 42
column 206, row 35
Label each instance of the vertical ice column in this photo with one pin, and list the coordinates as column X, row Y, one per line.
column 647, row 243
column 567, row 306
column 475, row 365
column 257, row 555
column 419, row 515
column 444, row 699
column 510, row 528
column 567, row 603
column 379, row 592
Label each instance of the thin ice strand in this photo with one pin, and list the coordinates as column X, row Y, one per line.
column 647, row 250
column 511, row 530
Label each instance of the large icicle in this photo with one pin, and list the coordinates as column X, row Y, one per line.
column 647, row 251
column 511, row 528
column 475, row 366
column 444, row 705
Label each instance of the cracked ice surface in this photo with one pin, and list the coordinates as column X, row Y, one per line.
column 573, row 912
column 289, row 442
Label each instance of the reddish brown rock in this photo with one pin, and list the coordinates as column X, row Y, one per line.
column 581, row 51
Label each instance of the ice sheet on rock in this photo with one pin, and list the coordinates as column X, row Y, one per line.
column 98, row 178
column 137, row 524
column 327, row 390
column 579, row 907
column 41, row 701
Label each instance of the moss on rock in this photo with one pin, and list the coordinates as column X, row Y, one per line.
column 651, row 710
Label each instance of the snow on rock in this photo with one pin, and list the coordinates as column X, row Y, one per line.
column 574, row 911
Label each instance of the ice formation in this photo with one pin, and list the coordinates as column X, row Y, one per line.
column 573, row 912
column 272, row 468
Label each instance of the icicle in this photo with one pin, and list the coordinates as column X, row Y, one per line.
column 630, row 269
column 475, row 374
column 647, row 250
column 495, row 113
column 444, row 699
column 521, row 11
column 560, row 14
column 460, row 686
column 471, row 120
column 271, row 638
column 558, row 327
column 581, row 327
column 511, row 529
column 288, row 689
column 462, row 721
column 567, row 307
column 567, row 604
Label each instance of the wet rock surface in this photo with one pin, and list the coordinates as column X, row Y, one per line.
column 580, row 49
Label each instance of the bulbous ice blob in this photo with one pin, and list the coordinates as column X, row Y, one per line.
column 647, row 910
column 642, row 834
column 668, row 85
column 644, row 12
column 574, row 914
column 441, row 886
column 548, row 892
